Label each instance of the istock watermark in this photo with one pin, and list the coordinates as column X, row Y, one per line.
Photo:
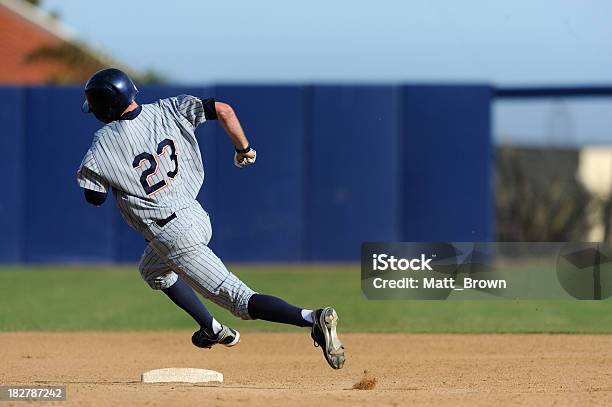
column 475, row 270
column 382, row 262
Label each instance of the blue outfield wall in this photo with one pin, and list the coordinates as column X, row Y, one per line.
column 12, row 117
column 257, row 213
column 337, row 165
column 355, row 169
column 57, row 226
column 447, row 132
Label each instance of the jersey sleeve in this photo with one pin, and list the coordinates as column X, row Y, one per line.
column 191, row 108
column 88, row 175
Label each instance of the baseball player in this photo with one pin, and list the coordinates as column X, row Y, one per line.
column 149, row 156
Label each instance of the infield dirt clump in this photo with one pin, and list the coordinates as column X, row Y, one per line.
column 367, row 382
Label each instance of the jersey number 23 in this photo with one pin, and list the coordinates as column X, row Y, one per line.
column 145, row 177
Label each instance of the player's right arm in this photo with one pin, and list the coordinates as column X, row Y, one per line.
column 90, row 179
column 197, row 111
column 228, row 119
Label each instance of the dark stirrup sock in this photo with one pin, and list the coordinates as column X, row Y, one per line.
column 273, row 309
column 183, row 295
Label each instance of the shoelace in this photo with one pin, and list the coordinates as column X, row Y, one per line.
column 314, row 342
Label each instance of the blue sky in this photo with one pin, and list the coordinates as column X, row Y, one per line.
column 518, row 42
column 506, row 42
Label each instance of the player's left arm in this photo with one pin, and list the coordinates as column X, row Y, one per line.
column 94, row 197
column 228, row 119
column 95, row 187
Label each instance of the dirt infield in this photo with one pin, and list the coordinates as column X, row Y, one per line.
column 284, row 369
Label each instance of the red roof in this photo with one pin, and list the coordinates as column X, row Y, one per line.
column 23, row 30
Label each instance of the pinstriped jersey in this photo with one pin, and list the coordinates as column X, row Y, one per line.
column 152, row 162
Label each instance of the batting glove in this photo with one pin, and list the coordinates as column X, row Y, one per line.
column 245, row 157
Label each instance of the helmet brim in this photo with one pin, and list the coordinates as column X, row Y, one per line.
column 85, row 108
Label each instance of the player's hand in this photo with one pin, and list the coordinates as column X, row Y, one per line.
column 245, row 157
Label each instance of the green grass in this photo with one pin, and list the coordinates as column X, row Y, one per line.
column 115, row 298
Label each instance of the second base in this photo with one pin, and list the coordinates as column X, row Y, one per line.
column 183, row 375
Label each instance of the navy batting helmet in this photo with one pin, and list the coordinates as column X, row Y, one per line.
column 108, row 93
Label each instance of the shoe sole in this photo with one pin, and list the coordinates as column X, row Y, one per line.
column 329, row 319
column 235, row 341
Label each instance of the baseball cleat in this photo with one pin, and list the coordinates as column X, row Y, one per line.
column 227, row 336
column 324, row 335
